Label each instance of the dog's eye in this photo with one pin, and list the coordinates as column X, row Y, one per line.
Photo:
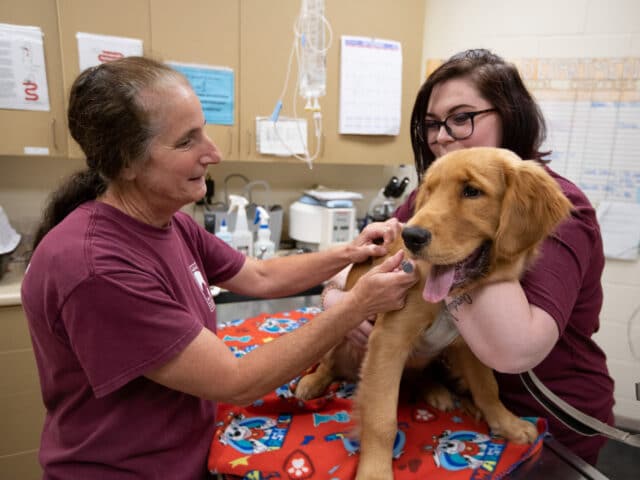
column 470, row 192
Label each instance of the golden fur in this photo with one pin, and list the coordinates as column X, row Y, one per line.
column 480, row 215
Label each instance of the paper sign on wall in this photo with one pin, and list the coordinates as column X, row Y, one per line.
column 214, row 86
column 620, row 227
column 286, row 137
column 23, row 78
column 97, row 49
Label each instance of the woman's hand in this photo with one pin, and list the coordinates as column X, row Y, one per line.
column 374, row 240
column 384, row 287
column 359, row 336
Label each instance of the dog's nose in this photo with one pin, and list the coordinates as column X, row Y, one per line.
column 416, row 238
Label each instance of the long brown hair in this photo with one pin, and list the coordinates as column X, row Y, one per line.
column 523, row 125
column 113, row 125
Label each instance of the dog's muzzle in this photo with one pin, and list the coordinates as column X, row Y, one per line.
column 416, row 238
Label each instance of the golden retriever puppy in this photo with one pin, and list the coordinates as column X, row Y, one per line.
column 480, row 216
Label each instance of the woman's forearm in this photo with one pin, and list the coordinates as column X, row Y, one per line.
column 504, row 331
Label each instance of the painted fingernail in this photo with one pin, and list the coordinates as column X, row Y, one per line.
column 407, row 267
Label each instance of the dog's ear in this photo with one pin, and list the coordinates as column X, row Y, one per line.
column 421, row 196
column 532, row 207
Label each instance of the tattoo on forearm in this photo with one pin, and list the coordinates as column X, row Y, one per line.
column 457, row 301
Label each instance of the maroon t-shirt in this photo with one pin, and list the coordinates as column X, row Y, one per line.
column 565, row 282
column 108, row 299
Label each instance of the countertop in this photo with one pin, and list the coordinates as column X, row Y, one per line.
column 12, row 279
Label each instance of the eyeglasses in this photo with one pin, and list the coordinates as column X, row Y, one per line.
column 458, row 125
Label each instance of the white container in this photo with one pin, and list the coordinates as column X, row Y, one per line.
column 241, row 237
column 319, row 227
column 263, row 248
column 224, row 234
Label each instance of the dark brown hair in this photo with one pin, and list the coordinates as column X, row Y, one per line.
column 112, row 123
column 523, row 125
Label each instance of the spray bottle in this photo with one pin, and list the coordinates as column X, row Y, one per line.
column 264, row 247
column 224, row 234
column 241, row 238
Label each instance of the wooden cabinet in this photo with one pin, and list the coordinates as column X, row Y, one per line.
column 400, row 21
column 253, row 37
column 266, row 37
column 20, row 399
column 123, row 18
column 35, row 129
column 203, row 32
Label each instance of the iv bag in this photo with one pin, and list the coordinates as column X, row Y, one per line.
column 312, row 73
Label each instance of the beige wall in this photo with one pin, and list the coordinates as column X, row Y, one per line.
column 556, row 29
column 25, row 182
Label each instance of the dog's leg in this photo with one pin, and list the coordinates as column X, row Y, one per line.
column 314, row 384
column 484, row 390
column 376, row 400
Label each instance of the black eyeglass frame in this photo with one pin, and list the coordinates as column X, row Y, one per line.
column 443, row 123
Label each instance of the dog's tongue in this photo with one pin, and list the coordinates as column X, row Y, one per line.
column 438, row 283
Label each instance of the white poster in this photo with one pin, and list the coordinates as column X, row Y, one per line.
column 370, row 86
column 23, row 78
column 96, row 49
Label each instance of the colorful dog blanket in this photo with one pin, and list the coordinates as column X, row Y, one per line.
column 281, row 437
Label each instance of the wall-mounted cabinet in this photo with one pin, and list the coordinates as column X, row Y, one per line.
column 266, row 36
column 24, row 131
column 123, row 18
column 205, row 32
column 252, row 37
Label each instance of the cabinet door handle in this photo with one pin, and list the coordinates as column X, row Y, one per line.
column 248, row 142
column 230, row 149
column 54, row 140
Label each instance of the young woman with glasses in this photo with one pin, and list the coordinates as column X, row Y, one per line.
column 546, row 320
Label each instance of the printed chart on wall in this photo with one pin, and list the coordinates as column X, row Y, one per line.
column 592, row 110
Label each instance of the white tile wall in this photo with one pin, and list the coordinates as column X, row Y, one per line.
column 551, row 28
column 619, row 335
column 545, row 28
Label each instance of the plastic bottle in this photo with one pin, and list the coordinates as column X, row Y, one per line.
column 264, row 247
column 224, row 233
column 241, row 237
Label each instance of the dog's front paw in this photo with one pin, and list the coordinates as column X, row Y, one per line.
column 312, row 386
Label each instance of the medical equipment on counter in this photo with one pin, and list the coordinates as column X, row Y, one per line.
column 318, row 225
column 383, row 205
column 218, row 211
